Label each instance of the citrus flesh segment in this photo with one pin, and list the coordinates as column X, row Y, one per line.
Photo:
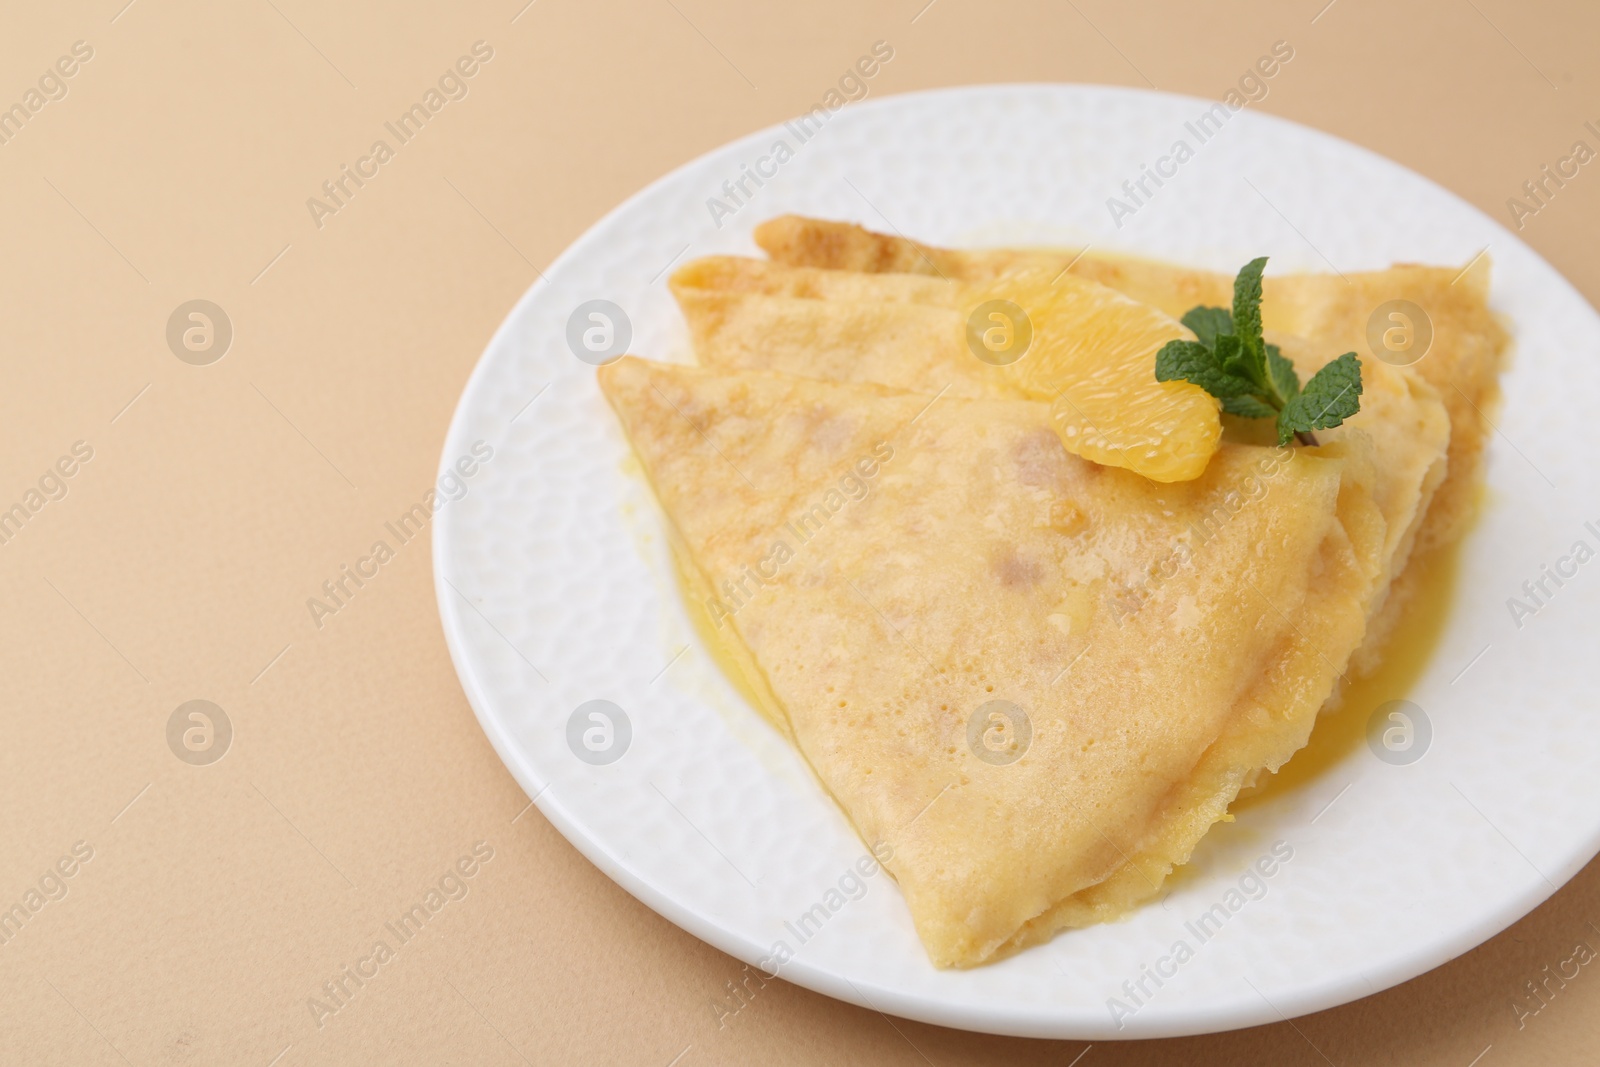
column 1091, row 352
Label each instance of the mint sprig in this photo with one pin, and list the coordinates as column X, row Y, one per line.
column 1231, row 361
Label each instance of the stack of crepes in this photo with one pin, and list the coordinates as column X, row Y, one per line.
column 1039, row 679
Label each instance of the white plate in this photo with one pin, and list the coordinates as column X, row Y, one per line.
column 556, row 588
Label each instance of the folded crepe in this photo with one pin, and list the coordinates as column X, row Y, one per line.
column 1039, row 680
column 907, row 331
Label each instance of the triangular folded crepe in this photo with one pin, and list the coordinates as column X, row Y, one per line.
column 893, row 564
column 904, row 330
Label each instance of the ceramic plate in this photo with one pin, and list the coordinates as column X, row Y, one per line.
column 557, row 592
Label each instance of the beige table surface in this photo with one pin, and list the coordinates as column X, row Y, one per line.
column 218, row 899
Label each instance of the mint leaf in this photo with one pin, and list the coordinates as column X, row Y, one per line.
column 1247, row 313
column 1186, row 361
column 1192, row 361
column 1281, row 374
column 1248, row 407
column 1208, row 324
column 1332, row 395
column 1231, row 360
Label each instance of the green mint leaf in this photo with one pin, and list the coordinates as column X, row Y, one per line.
column 1191, row 361
column 1283, row 379
column 1208, row 323
column 1247, row 300
column 1232, row 361
column 1248, row 407
column 1332, row 395
column 1247, row 317
column 1185, row 361
column 1228, row 355
column 1231, row 358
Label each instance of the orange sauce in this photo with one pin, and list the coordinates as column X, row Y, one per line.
column 1339, row 733
column 726, row 649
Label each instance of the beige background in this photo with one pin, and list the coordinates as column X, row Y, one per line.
column 220, row 898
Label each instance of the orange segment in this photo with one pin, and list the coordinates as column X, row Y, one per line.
column 1092, row 352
